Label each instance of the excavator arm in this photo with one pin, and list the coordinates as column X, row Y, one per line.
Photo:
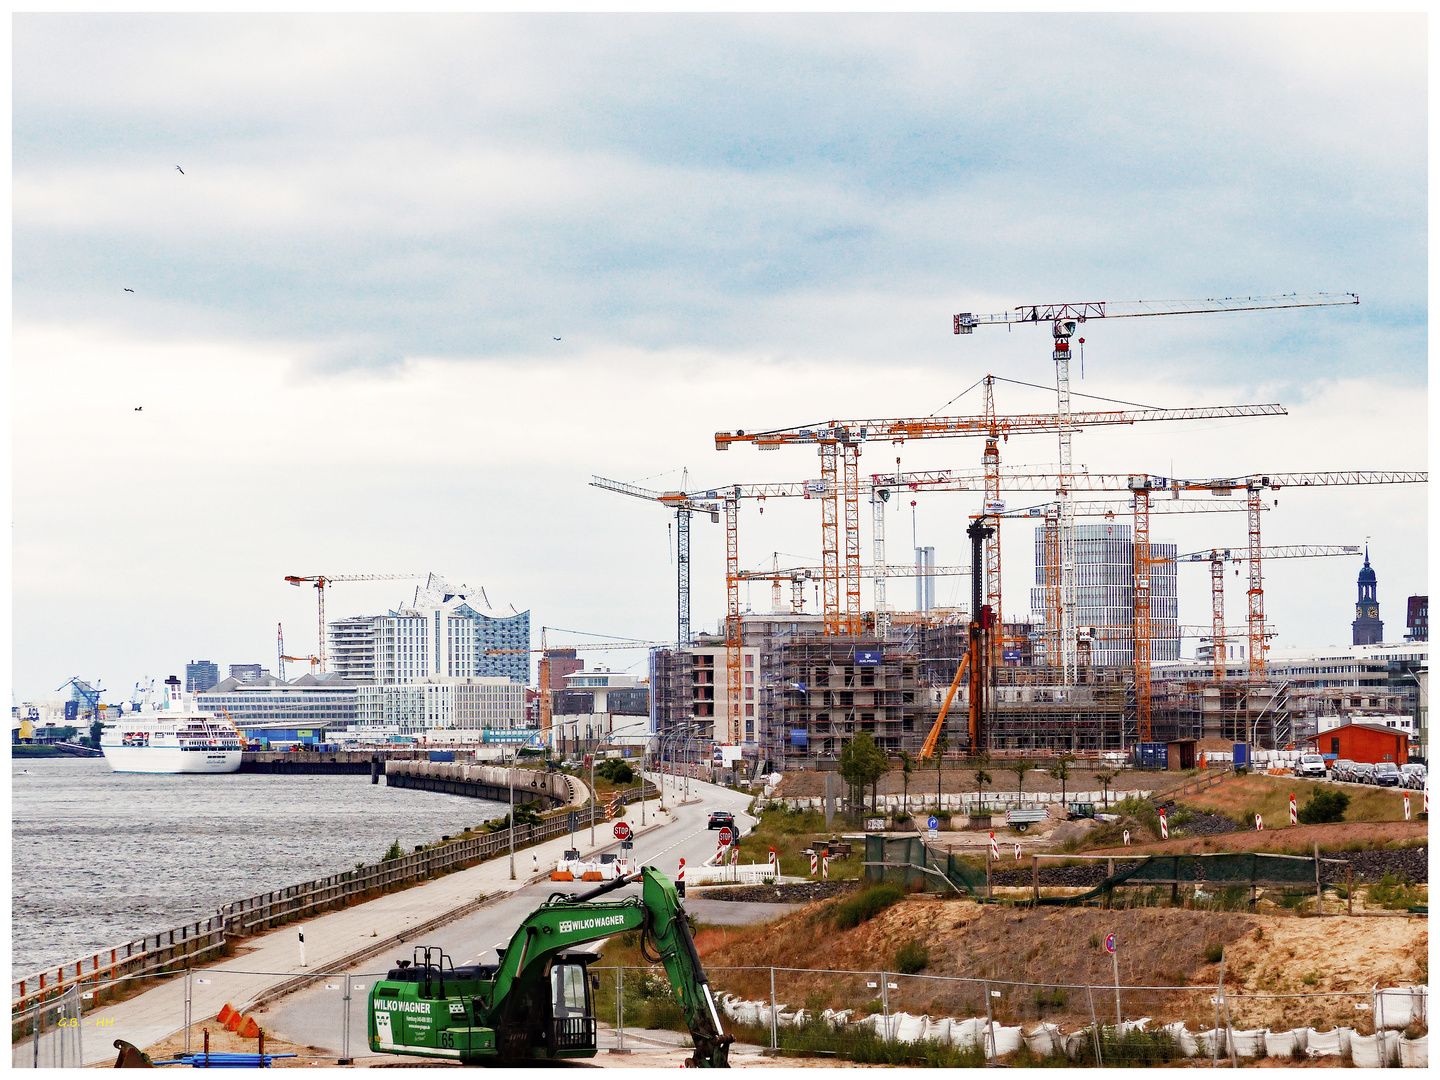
column 492, row 1014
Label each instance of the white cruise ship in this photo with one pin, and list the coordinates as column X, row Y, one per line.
column 171, row 739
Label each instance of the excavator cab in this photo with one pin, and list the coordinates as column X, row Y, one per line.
column 572, row 1006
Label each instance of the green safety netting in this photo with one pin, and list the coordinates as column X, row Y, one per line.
column 906, row 860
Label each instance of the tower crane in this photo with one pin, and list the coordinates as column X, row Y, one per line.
column 839, row 445
column 1064, row 320
column 322, row 581
column 684, row 504
column 1218, row 557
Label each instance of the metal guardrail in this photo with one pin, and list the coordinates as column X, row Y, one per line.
column 149, row 955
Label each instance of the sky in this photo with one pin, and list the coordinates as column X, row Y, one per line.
column 421, row 277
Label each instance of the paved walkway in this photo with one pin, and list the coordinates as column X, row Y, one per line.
column 329, row 939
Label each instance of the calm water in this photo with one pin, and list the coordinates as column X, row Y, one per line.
column 101, row 858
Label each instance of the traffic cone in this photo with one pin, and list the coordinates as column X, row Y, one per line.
column 249, row 1029
column 225, row 1013
column 233, row 1024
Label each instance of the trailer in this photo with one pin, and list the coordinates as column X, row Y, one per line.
column 1021, row 819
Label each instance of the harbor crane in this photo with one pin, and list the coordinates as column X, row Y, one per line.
column 1065, row 319
column 322, row 581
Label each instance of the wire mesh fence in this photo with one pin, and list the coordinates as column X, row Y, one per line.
column 869, row 1016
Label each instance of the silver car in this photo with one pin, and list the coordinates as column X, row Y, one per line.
column 1412, row 776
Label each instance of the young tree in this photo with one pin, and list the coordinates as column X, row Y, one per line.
column 981, row 779
column 941, row 745
column 1061, row 771
column 907, row 766
column 862, row 763
column 1020, row 768
column 1104, row 779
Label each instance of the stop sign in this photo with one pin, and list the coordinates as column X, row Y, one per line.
column 622, row 831
column 724, row 837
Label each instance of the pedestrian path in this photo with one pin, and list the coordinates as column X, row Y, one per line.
column 329, row 940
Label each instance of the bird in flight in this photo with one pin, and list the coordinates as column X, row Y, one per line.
column 557, row 339
column 179, row 170
column 128, row 289
column 139, row 408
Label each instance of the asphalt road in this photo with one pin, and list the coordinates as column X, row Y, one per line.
column 314, row 1016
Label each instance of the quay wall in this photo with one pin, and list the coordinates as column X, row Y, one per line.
column 173, row 950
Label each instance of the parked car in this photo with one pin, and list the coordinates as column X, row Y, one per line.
column 1310, row 765
column 1340, row 769
column 1387, row 774
column 1412, row 776
column 1361, row 772
column 721, row 819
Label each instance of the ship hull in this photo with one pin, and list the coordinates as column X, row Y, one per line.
column 171, row 759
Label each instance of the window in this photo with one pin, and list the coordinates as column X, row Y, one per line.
column 749, row 710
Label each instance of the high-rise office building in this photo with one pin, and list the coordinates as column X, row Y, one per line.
column 201, row 675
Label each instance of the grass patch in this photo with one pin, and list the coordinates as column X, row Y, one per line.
column 1395, row 893
column 790, row 832
column 911, row 957
column 817, row 1038
column 866, row 904
column 1242, row 797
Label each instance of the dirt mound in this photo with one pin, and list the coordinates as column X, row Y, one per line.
column 1055, row 948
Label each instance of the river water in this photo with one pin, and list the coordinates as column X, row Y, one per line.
column 99, row 858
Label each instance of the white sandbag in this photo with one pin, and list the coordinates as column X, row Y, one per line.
column 748, row 1012
column 965, row 1033
column 1127, row 1026
column 905, row 1028
column 1212, row 1042
column 1373, row 1051
column 1396, row 1007
column 1248, row 1043
column 1282, row 1044
column 1007, row 1041
column 1044, row 1040
column 1323, row 1043
column 785, row 1019
column 874, row 1022
column 1076, row 1041
column 1185, row 1042
column 938, row 1030
column 1415, row 1053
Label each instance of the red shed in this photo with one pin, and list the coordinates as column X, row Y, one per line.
column 1364, row 742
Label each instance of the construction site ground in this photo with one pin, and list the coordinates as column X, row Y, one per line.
column 1158, row 946
column 1287, row 839
column 811, row 784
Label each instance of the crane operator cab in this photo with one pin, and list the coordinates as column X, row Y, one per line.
column 556, row 1018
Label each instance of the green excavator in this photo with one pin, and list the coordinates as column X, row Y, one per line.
column 537, row 1003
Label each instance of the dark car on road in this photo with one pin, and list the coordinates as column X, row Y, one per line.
column 722, row 819
column 1386, row 774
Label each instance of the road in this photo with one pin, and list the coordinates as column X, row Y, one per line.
column 315, row 1016
column 268, row 960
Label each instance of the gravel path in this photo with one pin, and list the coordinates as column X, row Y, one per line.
column 792, row 893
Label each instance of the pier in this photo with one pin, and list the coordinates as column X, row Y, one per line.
column 325, row 762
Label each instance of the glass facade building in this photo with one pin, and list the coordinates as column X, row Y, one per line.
column 449, row 639
column 1105, row 593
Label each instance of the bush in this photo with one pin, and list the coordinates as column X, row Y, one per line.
column 866, row 905
column 1324, row 807
column 395, row 851
column 911, row 957
column 615, row 770
column 1143, row 811
column 1214, row 951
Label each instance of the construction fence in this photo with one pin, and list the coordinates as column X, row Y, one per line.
column 871, row 1015
column 1092, row 1024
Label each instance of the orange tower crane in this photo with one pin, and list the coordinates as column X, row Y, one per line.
column 838, row 488
column 322, row 581
column 1064, row 320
